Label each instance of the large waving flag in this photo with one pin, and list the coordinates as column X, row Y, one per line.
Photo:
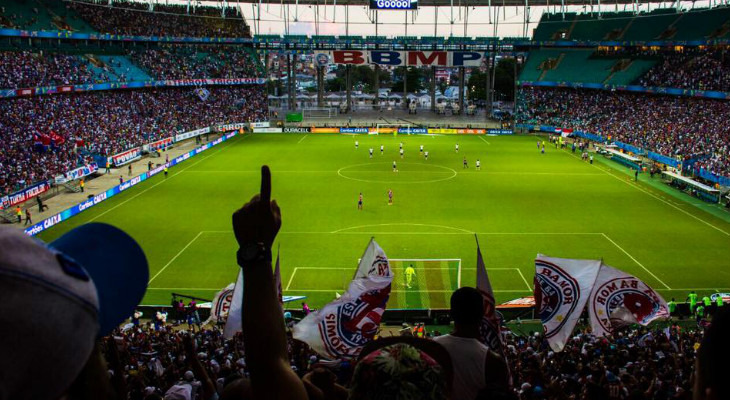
column 220, row 305
column 620, row 299
column 344, row 326
column 234, row 323
column 490, row 330
column 562, row 288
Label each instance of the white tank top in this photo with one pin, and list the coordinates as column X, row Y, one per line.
column 468, row 357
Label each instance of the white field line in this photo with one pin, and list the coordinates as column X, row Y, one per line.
column 484, row 140
column 291, row 278
column 458, row 275
column 303, row 137
column 509, row 291
column 658, row 198
column 637, row 262
column 174, row 258
column 524, row 279
column 161, row 182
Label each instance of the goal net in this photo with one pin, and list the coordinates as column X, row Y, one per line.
column 390, row 128
column 319, row 112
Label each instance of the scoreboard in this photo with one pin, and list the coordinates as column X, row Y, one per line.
column 393, row 4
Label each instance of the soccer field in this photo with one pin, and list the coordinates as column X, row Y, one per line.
column 521, row 203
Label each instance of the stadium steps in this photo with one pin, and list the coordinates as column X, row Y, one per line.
column 626, row 28
column 635, row 70
column 261, row 68
column 569, row 33
column 122, row 66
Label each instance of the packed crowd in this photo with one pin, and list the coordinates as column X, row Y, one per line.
column 185, row 62
column 23, row 69
column 672, row 126
column 136, row 20
column 692, row 69
column 637, row 364
column 107, row 123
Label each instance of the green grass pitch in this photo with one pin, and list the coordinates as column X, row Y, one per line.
column 520, row 203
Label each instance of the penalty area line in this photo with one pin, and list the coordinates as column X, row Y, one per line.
column 174, row 258
column 636, row 261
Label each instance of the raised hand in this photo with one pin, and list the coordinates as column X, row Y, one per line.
column 259, row 220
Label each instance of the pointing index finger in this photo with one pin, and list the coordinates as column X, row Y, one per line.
column 265, row 184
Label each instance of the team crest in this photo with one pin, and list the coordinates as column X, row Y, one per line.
column 626, row 300
column 349, row 327
column 556, row 294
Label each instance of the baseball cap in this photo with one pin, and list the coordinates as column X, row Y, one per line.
column 58, row 299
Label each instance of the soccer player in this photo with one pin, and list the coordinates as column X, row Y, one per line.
column 371, row 152
column 542, row 151
column 538, row 145
column 692, row 297
column 390, row 197
column 421, row 148
column 466, row 165
column 410, row 273
column 357, row 145
column 426, row 155
column 479, row 165
column 401, row 152
column 457, row 147
column 591, row 159
column 382, row 148
column 395, row 167
column 401, row 145
column 359, row 202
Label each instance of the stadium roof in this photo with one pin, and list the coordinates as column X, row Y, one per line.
column 456, row 3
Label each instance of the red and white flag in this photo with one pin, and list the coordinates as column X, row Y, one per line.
column 489, row 332
column 234, row 323
column 562, row 288
column 344, row 326
column 621, row 299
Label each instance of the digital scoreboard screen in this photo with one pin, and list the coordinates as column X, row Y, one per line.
column 393, row 4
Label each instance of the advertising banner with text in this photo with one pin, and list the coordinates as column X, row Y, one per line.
column 396, row 58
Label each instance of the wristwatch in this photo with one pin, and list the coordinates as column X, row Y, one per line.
column 253, row 253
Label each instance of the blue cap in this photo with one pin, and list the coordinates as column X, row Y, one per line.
column 117, row 265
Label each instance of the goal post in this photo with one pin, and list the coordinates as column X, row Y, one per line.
column 389, row 128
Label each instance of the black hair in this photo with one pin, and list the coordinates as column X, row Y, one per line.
column 467, row 306
column 713, row 355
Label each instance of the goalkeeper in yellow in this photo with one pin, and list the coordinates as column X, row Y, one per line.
column 410, row 273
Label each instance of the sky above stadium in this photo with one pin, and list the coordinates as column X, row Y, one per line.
column 449, row 21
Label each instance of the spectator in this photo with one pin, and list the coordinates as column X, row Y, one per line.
column 476, row 367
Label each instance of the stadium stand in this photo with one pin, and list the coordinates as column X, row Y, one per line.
column 659, row 24
column 186, row 62
column 672, row 126
column 701, row 69
column 107, row 123
column 135, row 19
column 25, row 69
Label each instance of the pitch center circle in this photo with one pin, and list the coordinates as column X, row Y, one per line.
column 408, row 172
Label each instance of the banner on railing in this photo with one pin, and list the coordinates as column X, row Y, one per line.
column 188, row 135
column 77, row 173
column 297, row 130
column 126, row 157
column 499, row 131
column 91, row 87
column 396, row 58
column 231, row 127
column 160, row 144
column 709, row 94
column 25, row 194
column 262, row 124
column 267, row 130
column 70, row 212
